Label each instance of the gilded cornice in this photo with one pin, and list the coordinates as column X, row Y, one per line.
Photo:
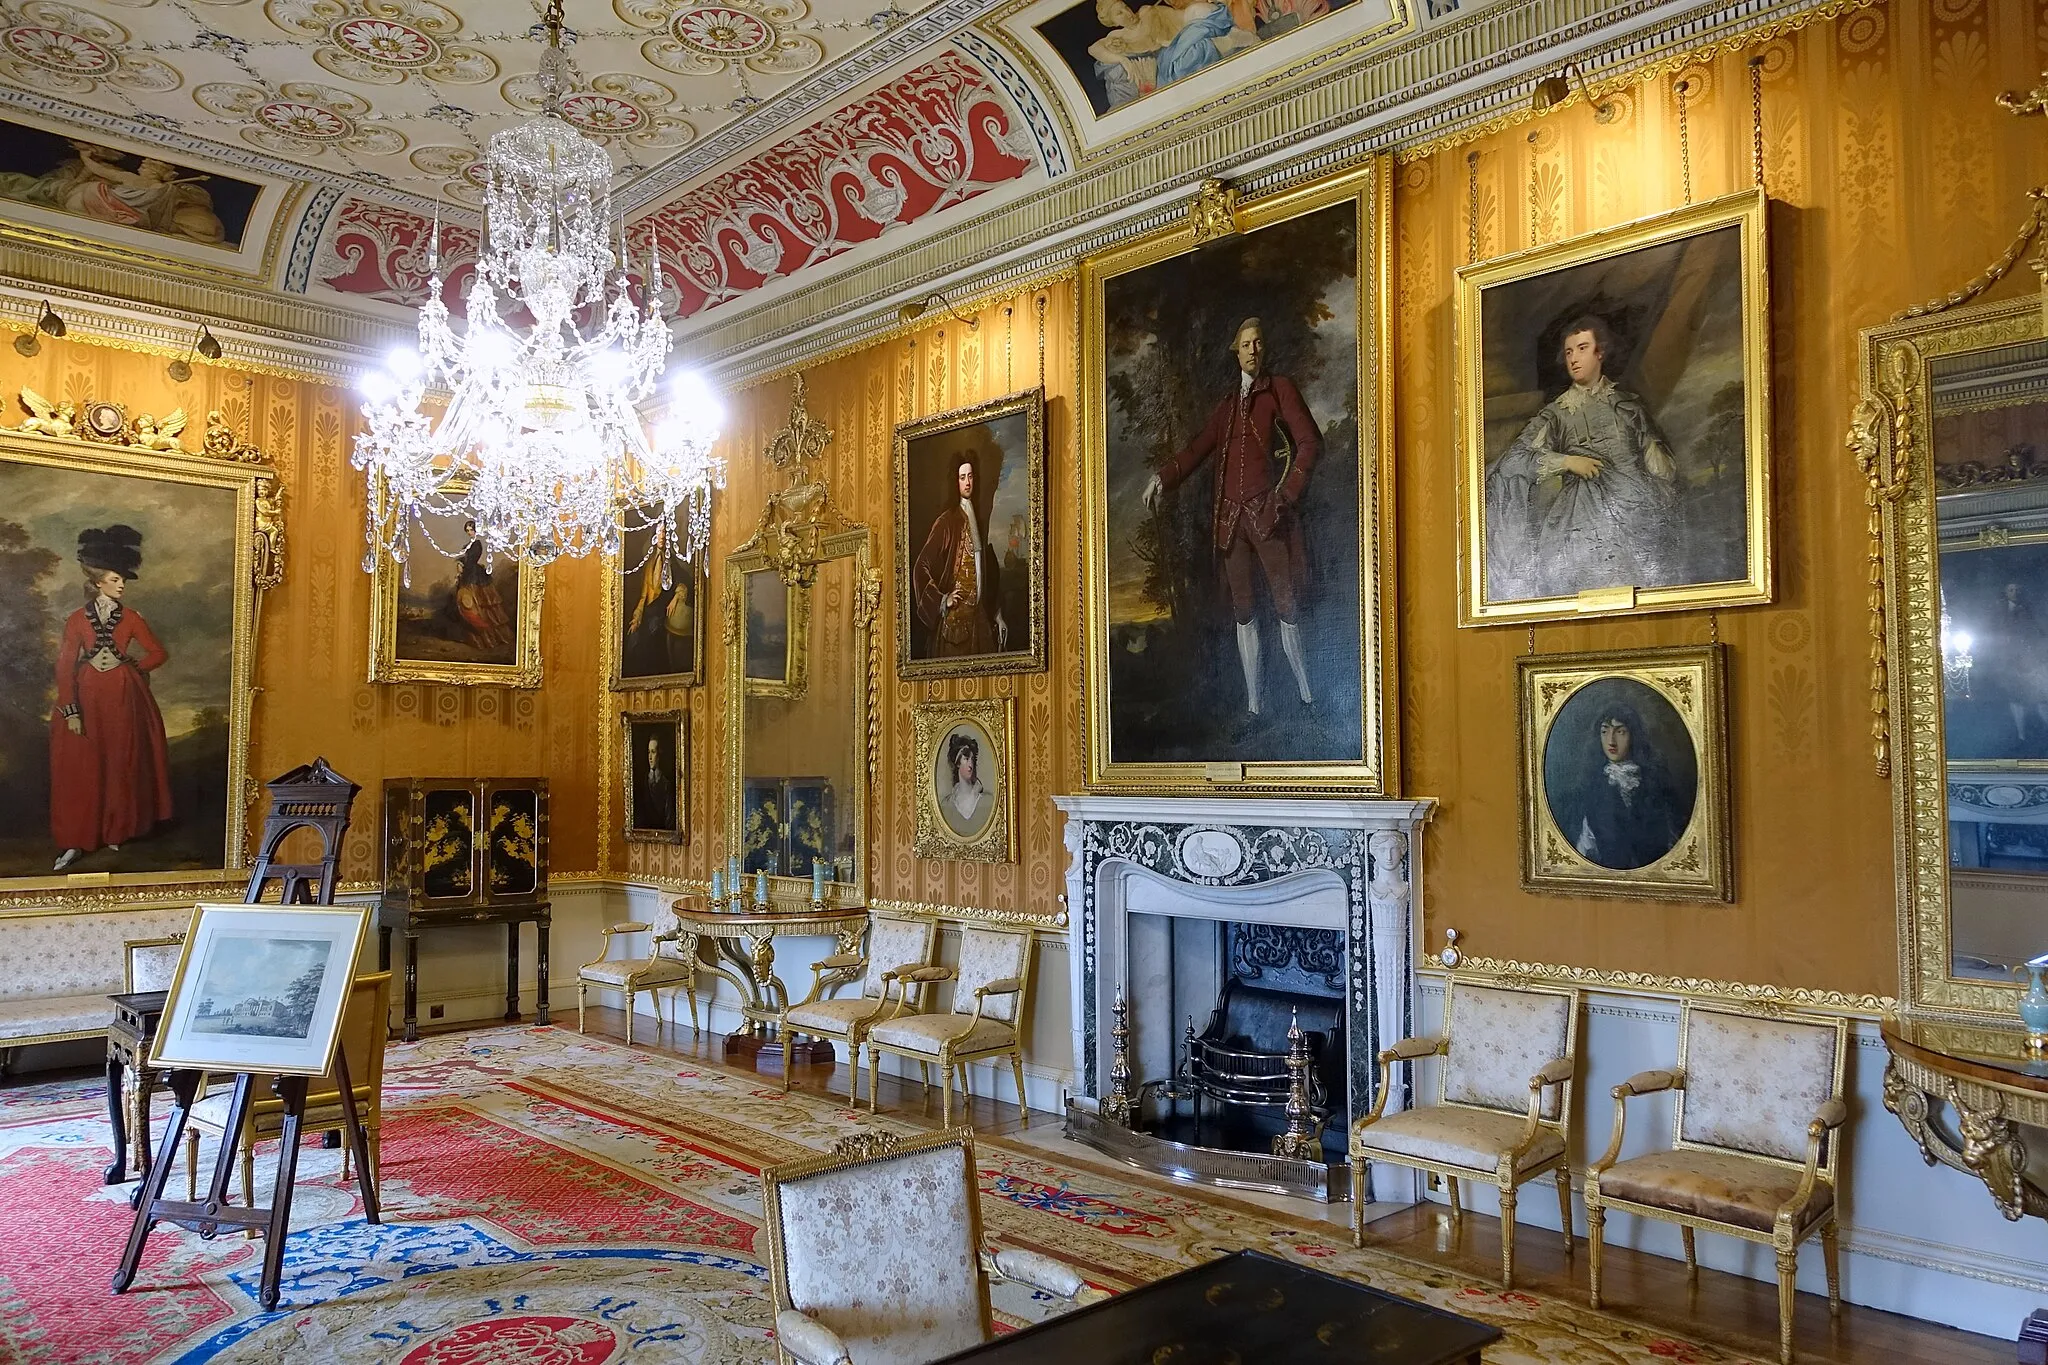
column 1768, row 999
column 1449, row 83
column 1053, row 925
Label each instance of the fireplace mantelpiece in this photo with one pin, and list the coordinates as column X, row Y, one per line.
column 1350, row 865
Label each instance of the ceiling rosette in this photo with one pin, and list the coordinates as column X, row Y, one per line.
column 384, row 42
column 45, row 45
column 693, row 38
column 616, row 107
column 301, row 118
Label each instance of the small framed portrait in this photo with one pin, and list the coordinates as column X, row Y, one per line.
column 260, row 988
column 657, row 772
column 1615, row 419
column 778, row 618
column 966, row 779
column 970, row 540
column 455, row 612
column 656, row 631
column 1625, row 774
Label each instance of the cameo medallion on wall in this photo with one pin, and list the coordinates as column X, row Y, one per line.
column 1952, row 436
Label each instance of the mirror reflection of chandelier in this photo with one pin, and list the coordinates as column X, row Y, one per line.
column 541, row 445
column 1956, row 658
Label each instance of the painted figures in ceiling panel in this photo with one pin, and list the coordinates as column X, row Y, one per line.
column 932, row 138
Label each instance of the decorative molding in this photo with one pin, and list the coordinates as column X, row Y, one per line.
column 1052, row 151
column 1054, row 925
column 1765, row 998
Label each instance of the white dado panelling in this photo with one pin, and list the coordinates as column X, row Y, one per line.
column 1048, row 1054
column 1926, row 1242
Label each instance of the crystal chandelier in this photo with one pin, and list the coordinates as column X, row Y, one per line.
column 541, row 445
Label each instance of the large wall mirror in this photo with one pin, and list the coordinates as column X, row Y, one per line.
column 1954, row 434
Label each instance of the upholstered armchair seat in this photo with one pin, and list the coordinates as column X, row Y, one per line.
column 64, row 1014
column 670, row 964
column 1460, row 1137
column 925, row 1033
column 1718, row 1186
column 655, row 971
column 831, row 1016
column 897, row 947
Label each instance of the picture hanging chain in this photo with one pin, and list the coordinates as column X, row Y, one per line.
column 1041, row 342
column 1713, row 628
column 1756, row 118
column 1471, row 207
column 1682, row 89
column 1009, row 345
column 1533, row 190
column 915, row 389
column 1532, row 640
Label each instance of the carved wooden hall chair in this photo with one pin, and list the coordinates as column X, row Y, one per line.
column 1504, row 1106
column 895, row 945
column 875, row 1253
column 670, row 963
column 1754, row 1147
column 991, row 988
column 365, row 1024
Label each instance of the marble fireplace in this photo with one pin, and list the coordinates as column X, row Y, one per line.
column 1163, row 892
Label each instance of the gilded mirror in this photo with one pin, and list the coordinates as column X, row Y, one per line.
column 1952, row 435
column 801, row 599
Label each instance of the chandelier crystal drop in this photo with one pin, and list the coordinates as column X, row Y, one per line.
column 541, row 445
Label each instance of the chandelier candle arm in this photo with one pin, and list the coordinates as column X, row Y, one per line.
column 541, row 451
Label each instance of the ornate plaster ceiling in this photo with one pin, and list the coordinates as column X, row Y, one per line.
column 403, row 94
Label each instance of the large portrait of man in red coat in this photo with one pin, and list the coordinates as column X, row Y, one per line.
column 117, row 671
column 1232, row 495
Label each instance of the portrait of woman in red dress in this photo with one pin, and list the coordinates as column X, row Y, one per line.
column 110, row 770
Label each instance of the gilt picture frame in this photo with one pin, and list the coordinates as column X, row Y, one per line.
column 456, row 621
column 654, row 634
column 998, row 449
column 194, row 538
column 1198, row 676
column 1624, row 774
column 1614, row 420
column 966, row 770
column 656, row 773
column 260, row 988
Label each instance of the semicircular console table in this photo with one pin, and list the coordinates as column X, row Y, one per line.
column 1975, row 1098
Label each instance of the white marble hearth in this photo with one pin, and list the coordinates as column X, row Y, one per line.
column 1138, row 864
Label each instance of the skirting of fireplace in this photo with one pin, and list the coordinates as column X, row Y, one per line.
column 1209, row 1165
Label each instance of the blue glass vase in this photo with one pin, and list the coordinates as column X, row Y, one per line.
column 2033, row 1005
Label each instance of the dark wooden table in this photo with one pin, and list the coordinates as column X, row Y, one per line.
column 129, row 1037
column 1247, row 1308
column 413, row 921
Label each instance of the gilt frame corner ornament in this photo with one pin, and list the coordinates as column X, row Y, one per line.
column 1653, row 824
column 1028, row 404
column 992, row 725
column 52, row 441
column 1508, row 558
column 1109, row 494
column 388, row 665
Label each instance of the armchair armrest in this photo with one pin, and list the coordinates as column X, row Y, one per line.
column 1043, row 1272
column 1642, row 1083
column 838, row 960
column 1556, row 1071
column 922, row 974
column 631, row 926
column 1009, row 985
column 811, row 1342
column 1830, row 1116
column 1409, row 1049
column 1833, row 1114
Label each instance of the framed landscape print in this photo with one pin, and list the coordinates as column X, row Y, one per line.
column 465, row 616
column 260, row 988
column 1615, row 415
column 778, row 624
column 656, row 631
column 1624, row 774
column 970, row 540
column 657, row 774
column 1237, row 538
column 966, row 780
column 128, row 588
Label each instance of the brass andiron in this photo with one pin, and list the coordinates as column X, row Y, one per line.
column 1116, row 1106
column 1303, row 1139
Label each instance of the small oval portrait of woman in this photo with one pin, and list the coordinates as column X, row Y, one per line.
column 965, row 779
column 1620, row 773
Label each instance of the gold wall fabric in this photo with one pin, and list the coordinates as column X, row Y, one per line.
column 862, row 397
column 312, row 654
column 1894, row 179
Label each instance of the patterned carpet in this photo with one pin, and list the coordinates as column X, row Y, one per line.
column 553, row 1199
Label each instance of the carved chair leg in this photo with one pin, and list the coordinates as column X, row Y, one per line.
column 1017, row 1069
column 691, row 990
column 1692, row 1262
column 248, row 1141
column 789, row 1037
column 1564, row 1206
column 1596, row 1222
column 1788, row 1282
column 582, row 994
column 1361, row 1169
column 630, row 994
column 946, row 1095
column 191, row 1165
column 874, row 1084
column 1457, row 1208
column 1507, row 1237
column 1831, row 1252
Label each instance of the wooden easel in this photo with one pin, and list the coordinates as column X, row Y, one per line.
column 208, row 1216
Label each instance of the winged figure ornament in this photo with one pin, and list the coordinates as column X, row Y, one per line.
column 46, row 418
column 154, row 433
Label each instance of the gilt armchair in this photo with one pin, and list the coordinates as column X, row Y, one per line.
column 1503, row 1113
column 894, row 947
column 875, row 1253
column 1754, row 1148
column 671, row 964
column 990, row 988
